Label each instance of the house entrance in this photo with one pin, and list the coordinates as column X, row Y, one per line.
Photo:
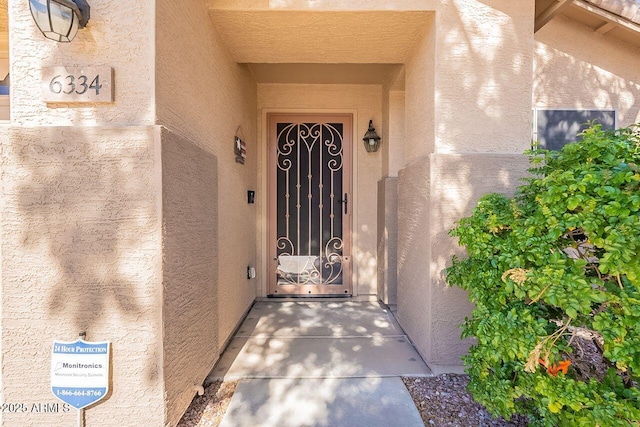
column 310, row 204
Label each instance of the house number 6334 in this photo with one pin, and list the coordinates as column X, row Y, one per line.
column 77, row 84
column 71, row 84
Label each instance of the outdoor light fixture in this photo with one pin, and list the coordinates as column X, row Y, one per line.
column 371, row 139
column 59, row 20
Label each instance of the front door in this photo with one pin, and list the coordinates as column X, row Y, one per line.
column 309, row 204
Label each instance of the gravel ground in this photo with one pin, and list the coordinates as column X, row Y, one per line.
column 207, row 410
column 442, row 401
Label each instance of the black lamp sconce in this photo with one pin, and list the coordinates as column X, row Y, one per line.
column 60, row 20
column 371, row 139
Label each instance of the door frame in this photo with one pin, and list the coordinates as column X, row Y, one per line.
column 270, row 205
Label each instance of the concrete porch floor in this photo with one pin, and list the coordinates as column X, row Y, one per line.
column 320, row 363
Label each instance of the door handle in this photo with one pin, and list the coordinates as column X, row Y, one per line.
column 345, row 202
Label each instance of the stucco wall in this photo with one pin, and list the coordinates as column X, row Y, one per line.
column 119, row 35
column 578, row 68
column 190, row 268
column 366, row 101
column 81, row 251
column 206, row 98
column 396, row 138
column 434, row 193
column 483, row 76
column 388, row 240
column 458, row 181
column 468, row 90
column 468, row 82
column 420, row 98
column 414, row 282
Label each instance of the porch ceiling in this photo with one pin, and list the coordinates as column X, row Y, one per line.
column 326, row 73
column 303, row 37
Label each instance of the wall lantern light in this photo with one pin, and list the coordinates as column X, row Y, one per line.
column 59, row 20
column 371, row 139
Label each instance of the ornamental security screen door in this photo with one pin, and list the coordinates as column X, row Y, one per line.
column 309, row 204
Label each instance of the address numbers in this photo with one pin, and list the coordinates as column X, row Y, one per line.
column 75, row 84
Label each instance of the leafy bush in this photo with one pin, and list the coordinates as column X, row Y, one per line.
column 555, row 277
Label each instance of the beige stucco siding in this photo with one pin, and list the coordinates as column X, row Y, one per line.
column 597, row 72
column 458, row 181
column 205, row 97
column 365, row 101
column 190, row 268
column 395, row 140
column 420, row 110
column 129, row 220
column 468, row 82
column 388, row 240
column 99, row 231
column 81, row 244
column 483, row 75
column 434, row 193
column 81, row 218
column 119, row 35
column 413, row 254
column 468, row 89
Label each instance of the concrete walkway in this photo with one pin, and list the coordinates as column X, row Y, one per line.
column 320, row 363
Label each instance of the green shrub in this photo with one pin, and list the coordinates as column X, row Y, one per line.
column 554, row 274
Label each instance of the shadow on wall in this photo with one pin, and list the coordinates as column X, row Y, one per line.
column 603, row 76
column 81, row 241
column 566, row 74
column 99, row 237
column 484, row 99
column 413, row 224
column 430, row 310
column 459, row 182
column 492, row 117
column 483, row 102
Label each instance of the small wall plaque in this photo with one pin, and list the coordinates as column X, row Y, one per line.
column 240, row 148
column 77, row 84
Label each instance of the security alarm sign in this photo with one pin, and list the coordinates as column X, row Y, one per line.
column 80, row 372
column 77, row 84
